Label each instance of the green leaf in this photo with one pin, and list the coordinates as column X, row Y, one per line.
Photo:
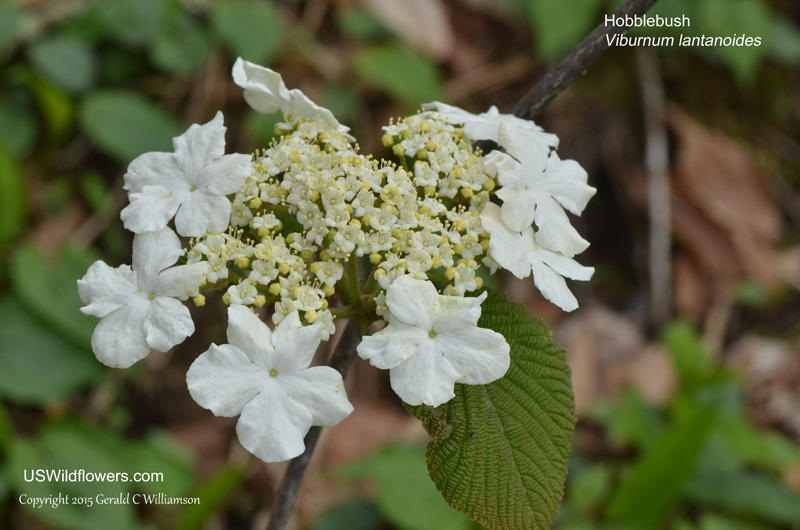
column 356, row 515
column 770, row 450
column 133, row 22
column 692, row 362
column 12, row 197
column 630, row 420
column 51, row 293
column 39, row 365
column 726, row 18
column 784, row 41
column 213, row 494
column 18, row 128
column 11, row 18
column 252, row 31
column 159, row 453
column 590, row 487
column 499, row 451
column 357, row 23
column 181, row 47
column 404, row 74
column 655, row 483
column 66, row 61
column 73, row 446
column 403, row 482
column 558, row 26
column 126, row 125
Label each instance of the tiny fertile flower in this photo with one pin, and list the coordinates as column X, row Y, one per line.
column 265, row 92
column 485, row 126
column 432, row 342
column 190, row 184
column 519, row 253
column 137, row 306
column 537, row 186
column 263, row 376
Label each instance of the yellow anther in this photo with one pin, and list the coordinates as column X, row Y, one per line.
column 275, row 289
column 256, row 203
column 311, row 316
column 226, row 298
column 199, row 300
column 387, row 140
column 243, row 262
column 260, row 300
column 467, row 193
column 489, row 184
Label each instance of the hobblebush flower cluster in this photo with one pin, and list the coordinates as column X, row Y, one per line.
column 308, row 230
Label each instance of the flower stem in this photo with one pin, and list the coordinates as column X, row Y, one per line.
column 290, row 484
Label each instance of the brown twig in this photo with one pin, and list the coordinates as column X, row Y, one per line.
column 290, row 484
column 576, row 62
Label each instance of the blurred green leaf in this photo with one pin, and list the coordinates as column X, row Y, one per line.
column 770, row 450
column 526, row 418
column 558, row 26
column 65, row 60
column 12, row 197
column 784, row 41
column 212, row 493
column 126, row 125
column 712, row 521
column 94, row 189
column 6, row 432
column 55, row 105
column 133, row 22
column 11, row 18
column 402, row 73
column 726, row 18
column 406, row 495
column 50, row 291
column 692, row 362
column 260, row 126
column 72, row 446
column 343, row 101
column 655, row 483
column 630, row 420
column 355, row 515
column 18, row 128
column 37, row 364
column 252, row 31
column 590, row 487
column 159, row 453
column 357, row 23
column 182, row 47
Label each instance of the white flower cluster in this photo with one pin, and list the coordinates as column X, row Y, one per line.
column 312, row 231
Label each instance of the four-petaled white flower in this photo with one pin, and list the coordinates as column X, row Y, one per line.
column 432, row 342
column 537, row 186
column 190, row 184
column 486, row 126
column 137, row 306
column 264, row 376
column 265, row 92
column 519, row 253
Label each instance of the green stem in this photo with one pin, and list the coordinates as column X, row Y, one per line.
column 342, row 312
column 352, row 279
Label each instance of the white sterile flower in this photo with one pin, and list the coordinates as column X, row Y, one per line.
column 265, row 92
column 190, row 184
column 485, row 126
column 538, row 186
column 137, row 306
column 519, row 254
column 432, row 342
column 263, row 376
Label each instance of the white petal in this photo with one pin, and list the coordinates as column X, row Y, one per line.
column 507, row 247
column 567, row 183
column 518, row 208
column 457, row 313
column 523, row 145
column 426, row 377
column 151, row 209
column 152, row 253
column 479, row 355
column 252, row 336
column 202, row 213
column 272, row 425
column 555, row 231
column 392, row 345
column 566, row 266
column 263, row 88
column 152, row 169
column 168, row 323
column 321, row 390
column 552, row 286
column 227, row 174
column 180, row 281
column 295, row 344
column 412, row 301
column 118, row 340
column 198, row 146
column 224, row 380
column 105, row 289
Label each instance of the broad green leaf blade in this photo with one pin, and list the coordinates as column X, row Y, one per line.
column 127, row 125
column 656, row 482
column 559, row 25
column 499, row 451
column 252, row 31
column 402, row 73
column 66, row 61
column 39, row 365
column 402, row 481
column 12, row 197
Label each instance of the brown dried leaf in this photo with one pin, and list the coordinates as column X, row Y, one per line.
column 421, row 23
